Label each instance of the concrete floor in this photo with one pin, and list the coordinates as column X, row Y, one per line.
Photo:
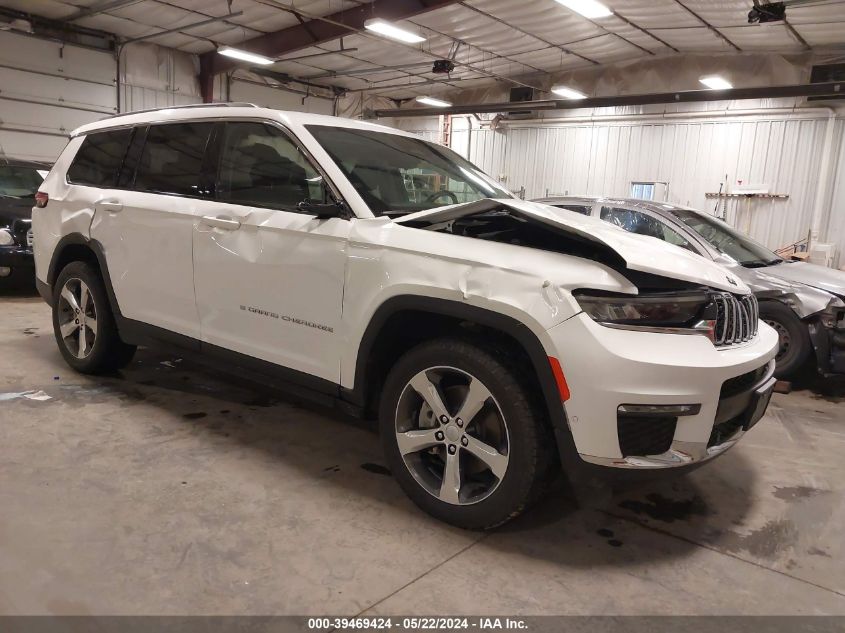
column 171, row 490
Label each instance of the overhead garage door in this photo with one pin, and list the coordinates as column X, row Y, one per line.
column 48, row 89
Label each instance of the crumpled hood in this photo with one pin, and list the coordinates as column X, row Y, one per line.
column 640, row 253
column 821, row 277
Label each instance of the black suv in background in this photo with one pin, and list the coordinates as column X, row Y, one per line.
column 19, row 181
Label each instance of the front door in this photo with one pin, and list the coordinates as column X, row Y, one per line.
column 268, row 277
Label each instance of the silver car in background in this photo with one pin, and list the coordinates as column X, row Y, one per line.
column 804, row 302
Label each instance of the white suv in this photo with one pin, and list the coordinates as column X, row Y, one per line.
column 490, row 336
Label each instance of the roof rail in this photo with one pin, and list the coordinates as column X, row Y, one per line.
column 228, row 104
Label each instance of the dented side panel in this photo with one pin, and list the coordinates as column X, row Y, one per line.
column 273, row 287
column 534, row 287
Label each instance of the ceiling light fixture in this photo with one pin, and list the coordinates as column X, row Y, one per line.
column 393, row 32
column 568, row 93
column 715, row 82
column 246, row 56
column 437, row 103
column 588, row 8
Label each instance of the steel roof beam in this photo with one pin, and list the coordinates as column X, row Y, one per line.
column 834, row 88
column 326, row 29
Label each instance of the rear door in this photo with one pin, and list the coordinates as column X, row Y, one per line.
column 268, row 276
column 146, row 224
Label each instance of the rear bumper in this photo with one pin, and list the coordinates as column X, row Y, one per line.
column 606, row 368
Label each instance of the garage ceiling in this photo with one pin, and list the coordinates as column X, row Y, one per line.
column 490, row 40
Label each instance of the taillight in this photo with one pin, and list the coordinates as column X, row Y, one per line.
column 41, row 199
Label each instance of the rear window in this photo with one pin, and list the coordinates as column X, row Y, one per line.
column 172, row 159
column 98, row 161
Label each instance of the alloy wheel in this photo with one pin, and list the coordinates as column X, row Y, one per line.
column 77, row 318
column 452, row 435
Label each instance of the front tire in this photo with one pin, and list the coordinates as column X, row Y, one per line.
column 794, row 345
column 83, row 322
column 462, row 436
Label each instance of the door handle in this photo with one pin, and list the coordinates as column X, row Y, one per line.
column 109, row 205
column 226, row 224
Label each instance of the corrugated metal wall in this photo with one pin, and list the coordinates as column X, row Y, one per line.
column 270, row 97
column 834, row 231
column 692, row 156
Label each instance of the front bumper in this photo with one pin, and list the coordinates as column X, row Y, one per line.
column 607, row 367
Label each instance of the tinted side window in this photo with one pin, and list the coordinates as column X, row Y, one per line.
column 172, row 159
column 98, row 160
column 643, row 224
column 260, row 166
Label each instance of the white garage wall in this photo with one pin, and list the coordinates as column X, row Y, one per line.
column 46, row 90
column 278, row 98
column 693, row 156
column 835, row 230
column 156, row 77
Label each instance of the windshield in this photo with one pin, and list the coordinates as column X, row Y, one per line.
column 396, row 174
column 727, row 240
column 19, row 182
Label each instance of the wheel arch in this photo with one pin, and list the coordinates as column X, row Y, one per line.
column 425, row 316
column 76, row 247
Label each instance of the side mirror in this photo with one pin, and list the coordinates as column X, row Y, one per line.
column 321, row 210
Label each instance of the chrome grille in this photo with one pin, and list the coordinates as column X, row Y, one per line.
column 29, row 238
column 737, row 318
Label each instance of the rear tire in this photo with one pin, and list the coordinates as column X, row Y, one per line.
column 83, row 322
column 495, row 462
column 794, row 345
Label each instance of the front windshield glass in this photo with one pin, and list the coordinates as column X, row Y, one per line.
column 397, row 174
column 726, row 239
column 19, row 182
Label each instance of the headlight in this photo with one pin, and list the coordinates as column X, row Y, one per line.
column 690, row 311
column 6, row 238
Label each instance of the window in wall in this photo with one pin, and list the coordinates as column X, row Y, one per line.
column 98, row 161
column 260, row 166
column 642, row 190
column 172, row 159
column 644, row 224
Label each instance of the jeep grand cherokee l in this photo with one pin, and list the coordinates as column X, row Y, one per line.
column 387, row 274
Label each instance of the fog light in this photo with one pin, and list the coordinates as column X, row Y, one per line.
column 659, row 409
column 5, row 271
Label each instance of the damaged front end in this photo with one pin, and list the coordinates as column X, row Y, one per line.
column 827, row 333
column 536, row 226
column 822, row 312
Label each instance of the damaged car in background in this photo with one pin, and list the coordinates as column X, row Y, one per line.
column 803, row 302
column 494, row 339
